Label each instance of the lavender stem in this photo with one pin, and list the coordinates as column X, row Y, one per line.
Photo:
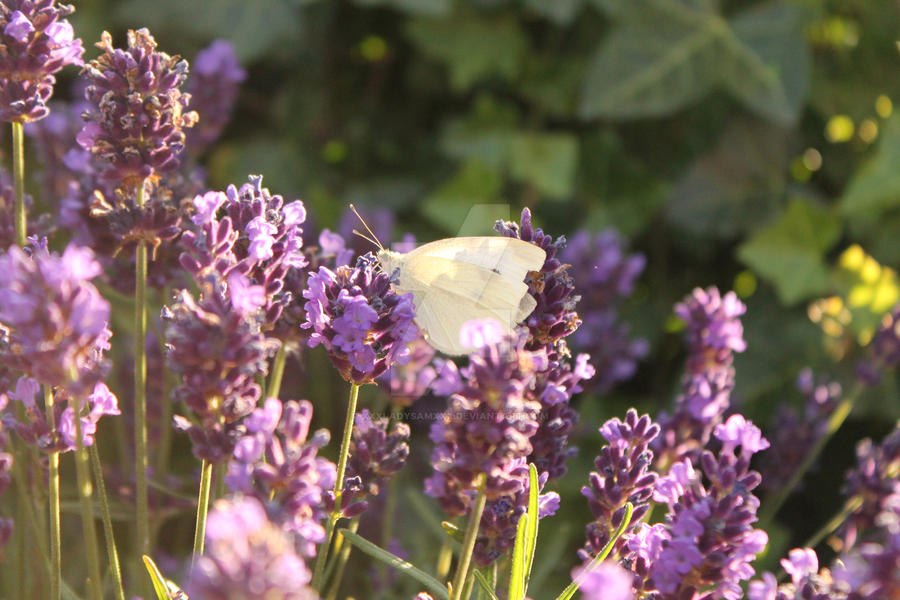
column 468, row 545
column 111, row 551
column 55, row 541
column 18, row 151
column 202, row 508
column 140, row 390
column 274, row 388
column 85, row 493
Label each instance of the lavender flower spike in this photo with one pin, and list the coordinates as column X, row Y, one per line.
column 606, row 581
column 138, row 114
column 248, row 558
column 36, row 41
column 213, row 86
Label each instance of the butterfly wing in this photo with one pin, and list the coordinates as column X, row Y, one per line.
column 462, row 279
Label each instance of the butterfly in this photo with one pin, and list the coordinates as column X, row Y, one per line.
column 456, row 280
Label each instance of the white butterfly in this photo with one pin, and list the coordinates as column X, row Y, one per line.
column 462, row 279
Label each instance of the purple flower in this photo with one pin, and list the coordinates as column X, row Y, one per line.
column 277, row 462
column 407, row 383
column 622, row 476
column 375, row 454
column 604, row 275
column 801, row 563
column 794, row 434
column 606, row 581
column 260, row 237
column 213, row 85
column 363, row 324
column 37, row 42
column 247, row 558
column 884, row 349
column 218, row 349
column 738, row 431
column 55, row 318
column 872, row 570
column 554, row 317
column 714, row 333
column 138, row 114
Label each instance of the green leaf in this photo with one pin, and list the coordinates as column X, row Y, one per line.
column 770, row 66
column 545, row 160
column 165, row 589
column 531, row 532
column 485, row 134
column 517, row 567
column 560, row 12
column 653, row 67
column 875, row 187
column 468, row 199
column 431, row 8
column 789, row 253
column 485, row 585
column 473, row 47
column 453, row 531
column 407, row 568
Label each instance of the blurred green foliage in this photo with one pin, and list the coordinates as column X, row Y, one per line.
column 738, row 143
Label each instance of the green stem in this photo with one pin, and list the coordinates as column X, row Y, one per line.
column 18, row 151
column 85, row 493
column 219, row 478
column 202, row 508
column 468, row 544
column 165, row 425
column 277, row 372
column 772, row 505
column 55, row 540
column 111, row 552
column 338, row 486
column 342, row 559
column 444, row 560
column 850, row 507
column 140, row 393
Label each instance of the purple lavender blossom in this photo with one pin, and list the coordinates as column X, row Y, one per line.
column 276, row 462
column 218, row 348
column 807, row 581
column 622, row 476
column 213, row 85
column 714, row 334
column 872, row 570
column 6, row 459
column 605, row 276
column 55, row 320
column 364, row 326
column 247, row 557
column 884, row 349
column 874, row 480
column 37, row 42
column 38, row 224
column 260, row 237
column 376, row 454
column 407, row 383
column 794, row 435
column 710, row 538
column 606, row 581
column 138, row 114
column 554, row 317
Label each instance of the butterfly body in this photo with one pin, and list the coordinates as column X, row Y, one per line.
column 456, row 280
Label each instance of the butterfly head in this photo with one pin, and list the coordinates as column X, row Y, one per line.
column 389, row 260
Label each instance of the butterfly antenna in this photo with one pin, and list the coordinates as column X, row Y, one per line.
column 367, row 238
column 374, row 237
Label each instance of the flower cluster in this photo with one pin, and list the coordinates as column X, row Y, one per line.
column 36, row 41
column 884, row 349
column 872, row 570
column 375, row 454
column 605, row 276
column 260, row 237
column 622, row 476
column 708, row 540
column 213, row 85
column 408, row 382
column 554, row 318
column 794, row 436
column 364, row 325
column 807, row 581
column 277, row 462
column 53, row 321
column 138, row 114
column 714, row 334
column 606, row 581
column 247, row 557
column 217, row 346
column 35, row 429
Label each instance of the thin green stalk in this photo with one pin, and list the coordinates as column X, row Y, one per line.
column 140, row 393
column 444, row 560
column 338, row 486
column 14, row 575
column 834, row 522
column 342, row 559
column 55, row 540
column 202, row 509
column 277, row 374
column 219, row 478
column 772, row 505
column 85, row 493
column 166, row 429
column 111, row 551
column 468, row 545
column 18, row 152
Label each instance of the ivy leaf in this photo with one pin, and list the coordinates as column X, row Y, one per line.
column 469, row 198
column 473, row 47
column 790, row 252
column 545, row 160
column 769, row 71
column 875, row 188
